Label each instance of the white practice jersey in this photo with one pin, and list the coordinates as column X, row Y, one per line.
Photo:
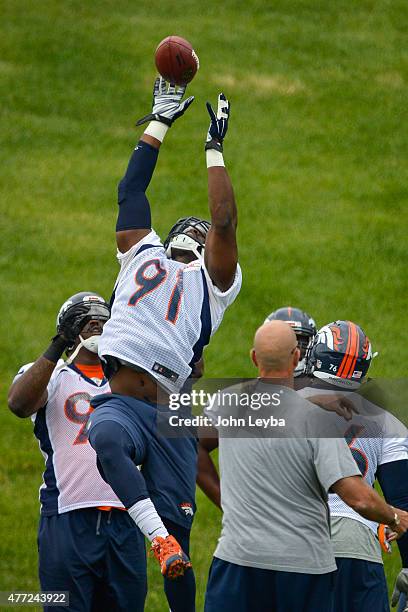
column 371, row 444
column 163, row 313
column 71, row 477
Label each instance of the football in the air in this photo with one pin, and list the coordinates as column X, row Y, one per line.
column 176, row 60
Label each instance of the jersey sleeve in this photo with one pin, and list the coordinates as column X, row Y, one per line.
column 394, row 449
column 151, row 240
column 220, row 300
column 21, row 371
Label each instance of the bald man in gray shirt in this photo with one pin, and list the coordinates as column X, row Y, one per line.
column 274, row 553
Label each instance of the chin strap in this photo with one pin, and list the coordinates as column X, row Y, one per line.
column 91, row 344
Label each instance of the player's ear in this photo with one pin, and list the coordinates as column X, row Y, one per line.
column 253, row 357
column 296, row 357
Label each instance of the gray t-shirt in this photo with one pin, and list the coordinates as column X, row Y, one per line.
column 354, row 540
column 274, row 491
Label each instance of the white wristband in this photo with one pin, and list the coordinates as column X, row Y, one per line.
column 146, row 518
column 157, row 129
column 214, row 158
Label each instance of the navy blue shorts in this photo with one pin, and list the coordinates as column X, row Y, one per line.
column 181, row 592
column 98, row 556
column 169, row 464
column 235, row 588
column 360, row 586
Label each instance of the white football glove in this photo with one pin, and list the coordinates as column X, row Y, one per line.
column 167, row 104
column 401, row 586
column 219, row 123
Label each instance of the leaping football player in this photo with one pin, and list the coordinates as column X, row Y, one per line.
column 339, row 359
column 167, row 302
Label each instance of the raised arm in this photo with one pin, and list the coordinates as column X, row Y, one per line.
column 134, row 218
column 221, row 252
column 28, row 393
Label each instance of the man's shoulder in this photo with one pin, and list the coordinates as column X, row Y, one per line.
column 24, row 368
column 241, row 386
column 141, row 250
column 300, row 398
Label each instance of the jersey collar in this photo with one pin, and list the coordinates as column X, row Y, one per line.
column 73, row 367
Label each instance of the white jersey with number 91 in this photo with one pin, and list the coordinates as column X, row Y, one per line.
column 163, row 313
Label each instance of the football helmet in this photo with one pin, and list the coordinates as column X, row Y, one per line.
column 304, row 327
column 187, row 234
column 340, row 354
column 88, row 306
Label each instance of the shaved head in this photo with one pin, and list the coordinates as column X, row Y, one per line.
column 275, row 349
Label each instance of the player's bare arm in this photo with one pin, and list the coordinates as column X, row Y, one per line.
column 134, row 218
column 355, row 491
column 207, row 476
column 221, row 252
column 337, row 402
column 29, row 392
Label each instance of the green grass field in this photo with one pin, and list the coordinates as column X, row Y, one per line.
column 316, row 151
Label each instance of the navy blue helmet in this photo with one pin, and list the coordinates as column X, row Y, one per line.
column 90, row 306
column 340, row 354
column 304, row 327
column 187, row 234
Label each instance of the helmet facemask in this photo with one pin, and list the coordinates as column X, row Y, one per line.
column 91, row 343
column 96, row 310
column 187, row 235
column 305, row 341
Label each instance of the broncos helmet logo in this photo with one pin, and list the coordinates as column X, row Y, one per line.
column 337, row 339
column 330, row 335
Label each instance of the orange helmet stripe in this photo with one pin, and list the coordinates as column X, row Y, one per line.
column 346, row 355
column 347, row 365
column 350, row 355
column 355, row 354
column 356, row 351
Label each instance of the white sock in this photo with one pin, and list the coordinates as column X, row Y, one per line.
column 146, row 518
